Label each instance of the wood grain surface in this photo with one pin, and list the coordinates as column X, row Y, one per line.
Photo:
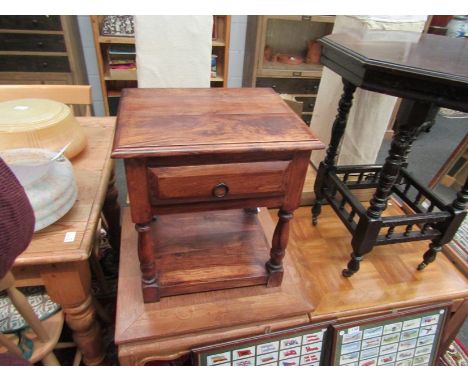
column 410, row 65
column 388, row 279
column 190, row 314
column 409, row 51
column 198, row 182
column 209, row 250
column 158, row 122
column 92, row 170
column 387, row 282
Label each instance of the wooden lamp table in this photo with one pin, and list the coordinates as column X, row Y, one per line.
column 195, row 153
column 59, row 255
column 424, row 70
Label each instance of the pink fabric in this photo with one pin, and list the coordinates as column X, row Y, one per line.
column 16, row 219
column 7, row 359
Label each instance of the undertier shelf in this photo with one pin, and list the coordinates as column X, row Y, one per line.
column 210, row 250
column 426, row 214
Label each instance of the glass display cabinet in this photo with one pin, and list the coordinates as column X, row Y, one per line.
column 282, row 52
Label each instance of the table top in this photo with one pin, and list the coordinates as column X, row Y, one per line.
column 92, row 169
column 388, row 280
column 412, row 65
column 428, row 54
column 157, row 122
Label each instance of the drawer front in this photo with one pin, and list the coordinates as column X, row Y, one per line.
column 308, row 103
column 217, row 182
column 34, row 64
column 31, row 22
column 32, row 42
column 289, row 85
column 307, row 118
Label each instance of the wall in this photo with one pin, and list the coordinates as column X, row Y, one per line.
column 86, row 32
column 237, row 50
column 236, row 56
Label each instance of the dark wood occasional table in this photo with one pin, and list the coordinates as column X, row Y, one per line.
column 424, row 70
column 201, row 151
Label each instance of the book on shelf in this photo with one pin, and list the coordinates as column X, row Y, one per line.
column 121, row 58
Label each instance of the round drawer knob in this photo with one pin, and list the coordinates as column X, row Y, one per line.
column 220, row 190
column 45, row 64
column 40, row 44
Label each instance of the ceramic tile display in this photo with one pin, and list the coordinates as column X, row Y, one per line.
column 302, row 346
column 405, row 339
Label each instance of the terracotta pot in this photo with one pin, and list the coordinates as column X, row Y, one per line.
column 289, row 59
column 313, row 52
column 267, row 53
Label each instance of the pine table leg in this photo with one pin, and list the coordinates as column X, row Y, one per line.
column 69, row 284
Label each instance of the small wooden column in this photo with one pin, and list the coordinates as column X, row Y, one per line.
column 142, row 217
column 338, row 130
column 278, row 249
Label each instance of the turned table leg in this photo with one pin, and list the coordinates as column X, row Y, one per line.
column 149, row 272
column 338, row 129
column 459, row 213
column 142, row 216
column 410, row 119
column 69, row 284
column 111, row 211
column 278, row 249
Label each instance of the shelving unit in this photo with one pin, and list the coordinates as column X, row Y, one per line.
column 285, row 35
column 112, row 85
column 41, row 50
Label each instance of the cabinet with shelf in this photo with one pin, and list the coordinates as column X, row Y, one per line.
column 113, row 81
column 41, row 50
column 279, row 55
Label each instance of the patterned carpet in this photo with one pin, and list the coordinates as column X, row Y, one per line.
column 456, row 355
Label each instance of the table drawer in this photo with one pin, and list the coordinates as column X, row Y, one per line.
column 32, row 42
column 31, row 22
column 307, row 118
column 20, row 63
column 308, row 103
column 217, row 182
column 289, row 85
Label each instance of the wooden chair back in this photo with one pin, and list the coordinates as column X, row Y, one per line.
column 68, row 94
column 48, row 338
